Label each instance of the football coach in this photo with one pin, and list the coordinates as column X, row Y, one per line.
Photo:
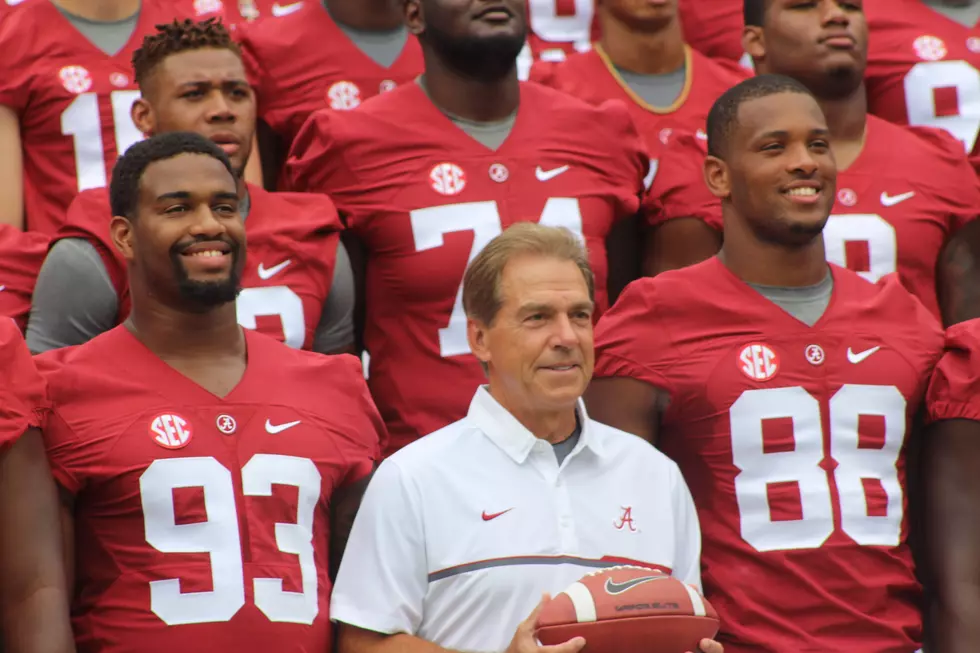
column 461, row 533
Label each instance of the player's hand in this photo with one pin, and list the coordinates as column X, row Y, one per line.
column 524, row 641
column 709, row 646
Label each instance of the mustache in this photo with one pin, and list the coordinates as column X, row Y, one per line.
column 180, row 247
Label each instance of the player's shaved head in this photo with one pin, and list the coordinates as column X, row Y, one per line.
column 128, row 171
column 723, row 117
column 179, row 36
column 754, row 12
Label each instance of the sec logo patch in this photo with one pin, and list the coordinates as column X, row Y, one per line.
column 170, row 431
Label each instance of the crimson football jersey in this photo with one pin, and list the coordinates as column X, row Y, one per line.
column 556, row 29
column 954, row 392
column 22, row 392
column 792, row 439
column 714, row 28
column 592, row 77
column 292, row 245
column 73, row 100
column 424, row 198
column 303, row 62
column 249, row 11
column 908, row 191
column 201, row 522
column 21, row 256
column 924, row 69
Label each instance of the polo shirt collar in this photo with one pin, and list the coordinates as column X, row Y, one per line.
column 511, row 436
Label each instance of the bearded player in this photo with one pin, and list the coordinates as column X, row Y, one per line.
column 785, row 388
column 903, row 195
column 953, row 491
column 208, row 472
column 297, row 278
column 426, row 175
column 642, row 59
column 325, row 54
column 33, row 595
column 924, row 66
column 66, row 88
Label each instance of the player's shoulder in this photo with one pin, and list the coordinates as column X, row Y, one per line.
column 88, row 217
column 379, row 119
column 21, row 35
column 888, row 302
column 725, row 72
column 14, row 242
column 965, row 336
column 11, row 338
column 317, row 379
column 82, row 373
column 667, row 290
column 573, row 68
column 303, row 212
column 279, row 34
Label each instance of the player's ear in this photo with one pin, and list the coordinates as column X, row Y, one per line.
column 477, row 336
column 143, row 118
column 754, row 42
column 121, row 232
column 716, row 177
column 414, row 16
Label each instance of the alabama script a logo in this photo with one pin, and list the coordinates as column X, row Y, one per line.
column 625, row 520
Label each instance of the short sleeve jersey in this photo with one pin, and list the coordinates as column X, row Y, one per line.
column 793, row 441
column 72, row 100
column 292, row 247
column 200, row 518
column 897, row 205
column 22, row 390
column 424, row 198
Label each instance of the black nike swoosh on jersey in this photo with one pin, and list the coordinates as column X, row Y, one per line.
column 619, row 588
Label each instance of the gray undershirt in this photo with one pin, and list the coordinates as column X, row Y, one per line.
column 565, row 447
column 383, row 48
column 966, row 15
column 656, row 90
column 62, row 316
column 807, row 304
column 110, row 37
column 489, row 134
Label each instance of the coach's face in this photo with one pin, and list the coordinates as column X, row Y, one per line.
column 204, row 91
column 188, row 237
column 822, row 43
column 539, row 349
column 779, row 172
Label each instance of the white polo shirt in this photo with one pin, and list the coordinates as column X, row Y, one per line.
column 461, row 532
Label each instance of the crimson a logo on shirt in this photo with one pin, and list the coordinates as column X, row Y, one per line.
column 170, row 431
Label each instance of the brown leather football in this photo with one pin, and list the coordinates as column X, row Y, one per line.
column 629, row 610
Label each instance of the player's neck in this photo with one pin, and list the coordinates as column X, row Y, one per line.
column 847, row 119
column 171, row 333
column 469, row 98
column 100, row 10
column 767, row 264
column 646, row 53
column 552, row 426
column 367, row 15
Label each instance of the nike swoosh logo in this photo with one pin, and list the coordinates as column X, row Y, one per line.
column 860, row 356
column 279, row 10
column 545, row 175
column 14, row 3
column 888, row 200
column 619, row 588
column 279, row 428
column 487, row 517
column 267, row 273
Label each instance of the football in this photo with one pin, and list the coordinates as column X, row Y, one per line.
column 628, row 609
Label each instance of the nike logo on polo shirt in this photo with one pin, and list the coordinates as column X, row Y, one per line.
column 279, row 10
column 267, row 273
column 619, row 588
column 487, row 517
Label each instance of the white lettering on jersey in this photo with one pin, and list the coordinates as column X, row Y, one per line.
column 430, row 225
column 927, row 77
column 218, row 537
column 801, row 466
column 274, row 301
column 81, row 121
column 868, row 228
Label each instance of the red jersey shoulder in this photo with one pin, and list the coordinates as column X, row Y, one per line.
column 954, row 392
column 88, row 218
column 21, row 256
column 301, row 212
column 678, row 189
column 717, row 75
column 22, row 389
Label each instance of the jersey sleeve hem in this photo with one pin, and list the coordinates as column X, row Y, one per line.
column 345, row 613
column 946, row 410
column 614, row 365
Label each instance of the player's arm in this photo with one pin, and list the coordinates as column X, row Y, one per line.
column 678, row 243
column 253, row 167
column 272, row 157
column 74, row 299
column 357, row 254
column 344, row 504
column 33, row 594
column 623, row 250
column 958, row 275
column 952, row 488
column 627, row 404
column 335, row 331
column 11, row 169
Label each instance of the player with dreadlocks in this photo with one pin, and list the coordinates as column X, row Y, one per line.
column 208, row 473
column 297, row 283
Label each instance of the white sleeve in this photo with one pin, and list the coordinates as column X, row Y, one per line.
column 688, row 532
column 383, row 577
